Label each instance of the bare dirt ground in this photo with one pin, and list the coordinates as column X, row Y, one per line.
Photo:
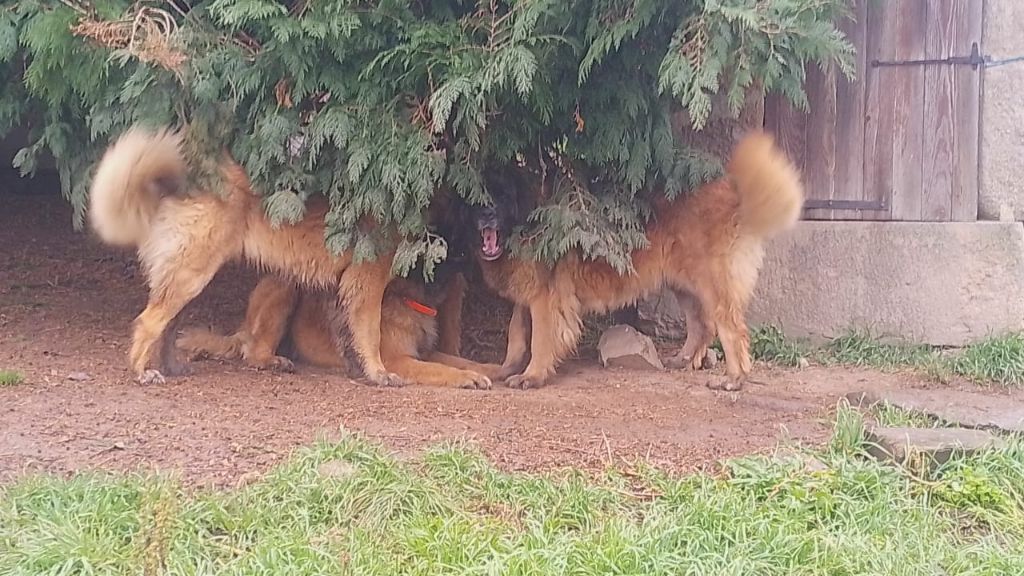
column 66, row 304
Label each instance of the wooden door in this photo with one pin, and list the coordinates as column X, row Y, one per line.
column 900, row 141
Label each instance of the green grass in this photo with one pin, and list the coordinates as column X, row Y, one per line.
column 895, row 417
column 769, row 344
column 994, row 360
column 11, row 378
column 998, row 360
column 453, row 513
column 859, row 348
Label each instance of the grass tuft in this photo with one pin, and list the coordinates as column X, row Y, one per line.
column 769, row 344
column 848, row 435
column 11, row 378
column 999, row 360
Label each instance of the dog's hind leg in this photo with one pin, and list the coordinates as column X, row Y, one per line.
column 272, row 304
column 517, row 352
column 362, row 295
column 699, row 333
column 490, row 370
column 172, row 294
column 555, row 329
column 732, row 331
column 170, row 364
column 435, row 374
column 449, row 322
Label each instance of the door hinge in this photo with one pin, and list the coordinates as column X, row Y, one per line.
column 845, row 205
column 974, row 60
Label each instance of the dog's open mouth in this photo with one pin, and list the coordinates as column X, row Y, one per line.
column 490, row 248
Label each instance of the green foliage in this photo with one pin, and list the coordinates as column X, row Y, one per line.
column 379, row 105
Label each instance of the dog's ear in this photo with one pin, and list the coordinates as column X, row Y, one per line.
column 514, row 204
column 460, row 213
column 503, row 186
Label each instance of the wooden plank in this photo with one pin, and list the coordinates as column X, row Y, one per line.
column 907, row 84
column 787, row 124
column 967, row 121
column 820, row 139
column 880, row 109
column 850, row 121
column 939, row 112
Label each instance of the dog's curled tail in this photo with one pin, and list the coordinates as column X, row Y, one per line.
column 136, row 172
column 768, row 184
column 201, row 343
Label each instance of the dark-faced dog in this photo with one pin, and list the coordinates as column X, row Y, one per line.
column 706, row 246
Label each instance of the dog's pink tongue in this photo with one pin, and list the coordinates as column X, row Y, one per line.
column 490, row 237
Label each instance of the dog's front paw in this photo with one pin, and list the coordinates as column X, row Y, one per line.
column 475, row 381
column 281, row 364
column 151, row 377
column 492, row 371
column 507, row 372
column 525, row 382
column 387, row 380
column 728, row 384
column 701, row 361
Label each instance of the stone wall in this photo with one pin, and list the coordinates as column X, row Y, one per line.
column 1002, row 114
column 945, row 284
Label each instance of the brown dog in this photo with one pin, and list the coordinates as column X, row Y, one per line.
column 139, row 198
column 707, row 247
column 412, row 346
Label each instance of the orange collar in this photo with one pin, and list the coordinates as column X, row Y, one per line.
column 421, row 308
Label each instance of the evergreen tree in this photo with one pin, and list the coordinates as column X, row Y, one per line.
column 378, row 104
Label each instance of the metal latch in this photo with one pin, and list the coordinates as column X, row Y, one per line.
column 974, row 60
column 874, row 205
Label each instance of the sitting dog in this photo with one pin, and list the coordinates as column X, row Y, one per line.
column 282, row 315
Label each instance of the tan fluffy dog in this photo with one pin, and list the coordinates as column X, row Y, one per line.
column 139, row 198
column 706, row 246
column 412, row 346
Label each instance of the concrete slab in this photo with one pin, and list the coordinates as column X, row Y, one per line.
column 946, row 284
column 933, row 445
column 967, row 409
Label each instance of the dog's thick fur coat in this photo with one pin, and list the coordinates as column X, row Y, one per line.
column 706, row 246
column 414, row 345
column 139, row 198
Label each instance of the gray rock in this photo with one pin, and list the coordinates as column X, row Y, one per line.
column 660, row 316
column 623, row 346
column 967, row 409
column 711, row 359
column 79, row 377
column 927, row 446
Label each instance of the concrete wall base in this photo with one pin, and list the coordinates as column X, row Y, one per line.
column 946, row 284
